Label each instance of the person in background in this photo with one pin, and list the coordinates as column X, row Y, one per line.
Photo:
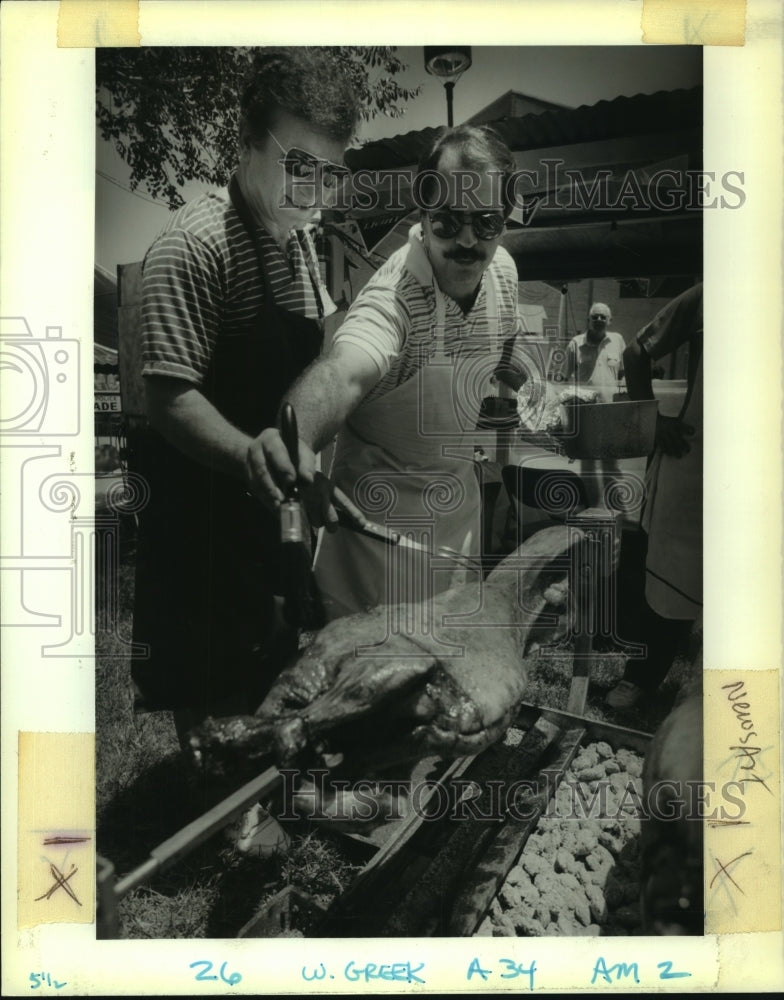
column 672, row 517
column 399, row 385
column 232, row 313
column 594, row 357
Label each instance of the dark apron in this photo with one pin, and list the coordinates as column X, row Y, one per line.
column 208, row 555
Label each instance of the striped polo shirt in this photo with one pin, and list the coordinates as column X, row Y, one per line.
column 393, row 318
column 201, row 281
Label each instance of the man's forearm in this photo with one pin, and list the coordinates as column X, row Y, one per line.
column 637, row 370
column 569, row 367
column 324, row 396
column 671, row 433
column 189, row 421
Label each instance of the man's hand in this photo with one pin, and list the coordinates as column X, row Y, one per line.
column 269, row 470
column 318, row 497
column 271, row 474
column 672, row 436
column 510, row 375
column 324, row 501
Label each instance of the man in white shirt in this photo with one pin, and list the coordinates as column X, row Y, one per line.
column 595, row 357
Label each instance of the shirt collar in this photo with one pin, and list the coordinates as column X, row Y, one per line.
column 417, row 262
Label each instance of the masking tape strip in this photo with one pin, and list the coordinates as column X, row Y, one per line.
column 742, row 825
column 56, row 829
column 694, row 22
column 87, row 24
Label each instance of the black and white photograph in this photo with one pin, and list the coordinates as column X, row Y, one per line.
column 402, row 625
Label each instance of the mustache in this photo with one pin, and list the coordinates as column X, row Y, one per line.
column 463, row 255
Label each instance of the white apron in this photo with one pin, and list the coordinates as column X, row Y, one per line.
column 673, row 520
column 406, row 460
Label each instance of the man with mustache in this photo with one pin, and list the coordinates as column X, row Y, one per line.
column 402, row 382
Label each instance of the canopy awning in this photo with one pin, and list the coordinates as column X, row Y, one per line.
column 608, row 191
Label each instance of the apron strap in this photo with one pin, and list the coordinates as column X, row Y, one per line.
column 491, row 293
column 440, row 317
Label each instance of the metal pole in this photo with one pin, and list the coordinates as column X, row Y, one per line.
column 562, row 312
column 449, row 87
column 201, row 829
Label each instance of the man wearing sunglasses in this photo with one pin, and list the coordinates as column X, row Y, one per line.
column 405, row 375
column 232, row 314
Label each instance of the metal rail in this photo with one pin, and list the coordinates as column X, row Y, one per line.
column 178, row 845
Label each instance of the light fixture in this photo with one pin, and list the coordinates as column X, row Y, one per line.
column 449, row 63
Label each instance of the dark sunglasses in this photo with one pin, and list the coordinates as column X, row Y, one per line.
column 301, row 165
column 447, row 224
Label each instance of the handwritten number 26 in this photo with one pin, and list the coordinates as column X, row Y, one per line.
column 204, row 976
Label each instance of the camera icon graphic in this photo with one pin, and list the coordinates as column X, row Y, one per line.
column 40, row 380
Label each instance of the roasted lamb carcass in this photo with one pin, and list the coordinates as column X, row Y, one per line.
column 449, row 687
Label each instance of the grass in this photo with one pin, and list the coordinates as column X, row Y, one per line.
column 145, row 793
column 548, row 687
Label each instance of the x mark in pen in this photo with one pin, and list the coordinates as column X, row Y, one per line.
column 61, row 882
